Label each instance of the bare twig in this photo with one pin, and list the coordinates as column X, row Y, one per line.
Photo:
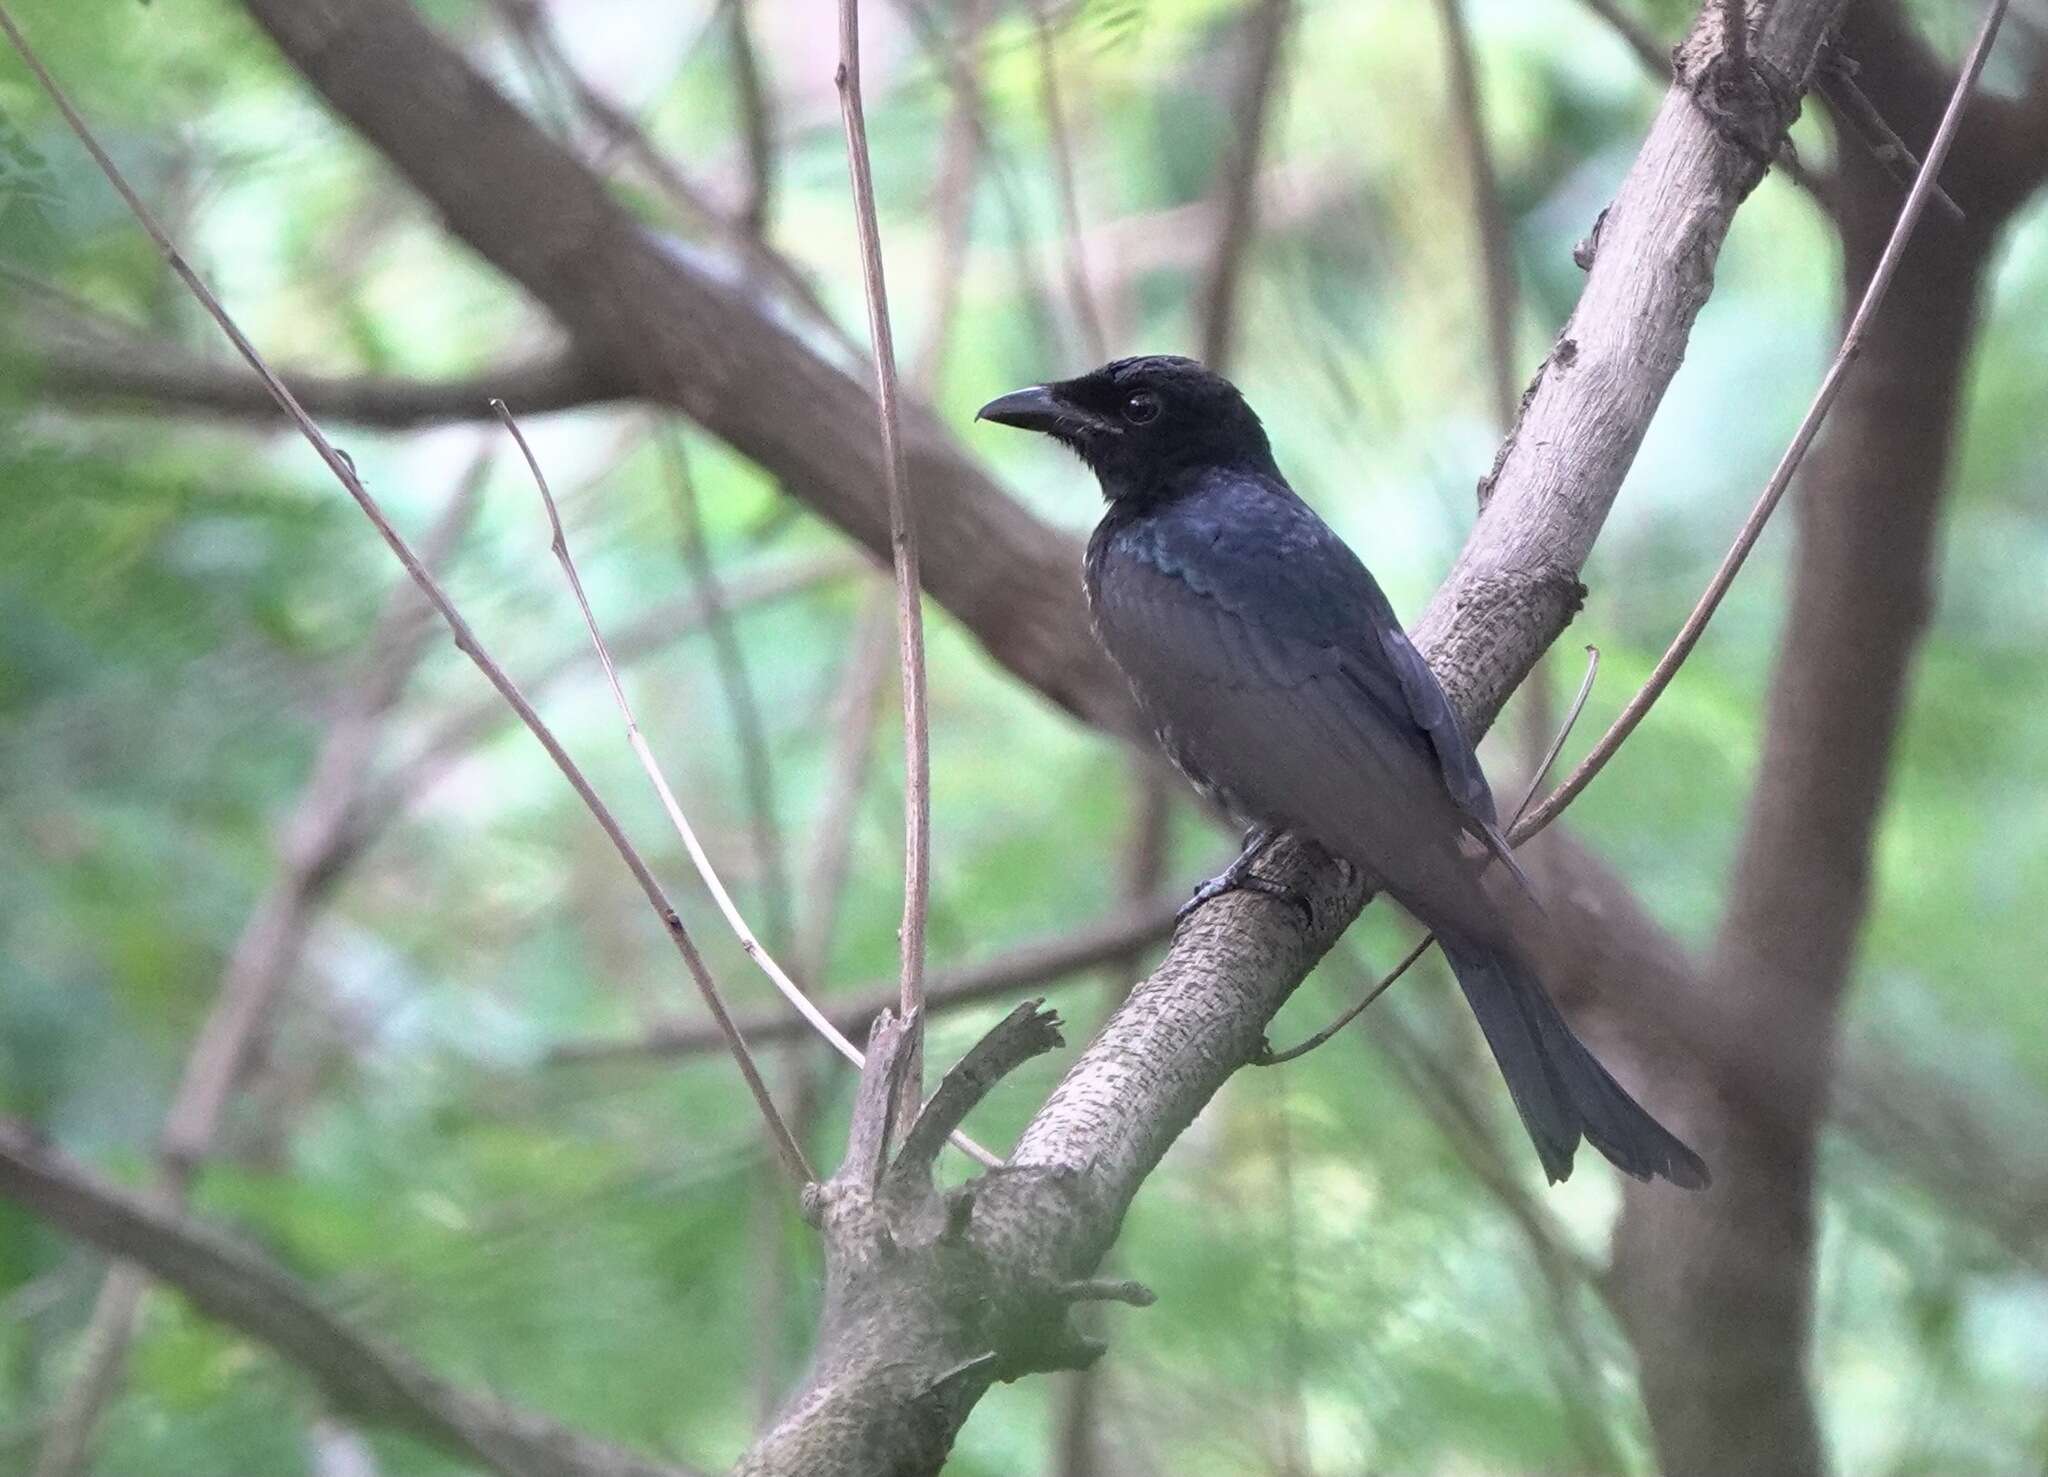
column 313, row 848
column 1655, row 57
column 1028, row 966
column 757, row 121
column 1835, row 79
column 1080, row 289
column 785, row 1141
column 1781, row 478
column 465, row 639
column 1259, row 81
column 1489, row 213
column 627, row 135
column 458, row 733
column 960, row 157
column 902, row 543
column 1735, row 33
column 757, row 769
column 1271, row 1058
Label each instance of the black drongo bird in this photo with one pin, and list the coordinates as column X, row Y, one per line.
column 1280, row 682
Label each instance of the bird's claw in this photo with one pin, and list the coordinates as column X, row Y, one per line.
column 1239, row 877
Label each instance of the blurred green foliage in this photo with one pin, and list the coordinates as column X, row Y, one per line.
column 182, row 602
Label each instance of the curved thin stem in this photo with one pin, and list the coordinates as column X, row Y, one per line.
column 1781, row 478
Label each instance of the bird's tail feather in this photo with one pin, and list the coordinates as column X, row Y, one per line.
column 1559, row 1087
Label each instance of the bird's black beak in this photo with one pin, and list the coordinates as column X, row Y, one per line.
column 1035, row 409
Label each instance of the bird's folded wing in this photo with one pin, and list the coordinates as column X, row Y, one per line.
column 1296, row 728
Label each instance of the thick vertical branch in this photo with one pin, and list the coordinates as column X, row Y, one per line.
column 1717, row 1292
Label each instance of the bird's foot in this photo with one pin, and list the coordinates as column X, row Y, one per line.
column 1239, row 877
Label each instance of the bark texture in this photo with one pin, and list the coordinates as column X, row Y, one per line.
column 902, row 1358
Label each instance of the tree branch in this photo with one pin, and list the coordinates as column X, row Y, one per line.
column 1057, row 1204
column 635, row 302
column 1717, row 1296
column 100, row 367
column 250, row 1294
column 903, row 556
column 1897, row 241
column 261, row 963
column 1028, row 966
column 1238, row 197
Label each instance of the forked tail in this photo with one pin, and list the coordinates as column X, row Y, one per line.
column 1559, row 1087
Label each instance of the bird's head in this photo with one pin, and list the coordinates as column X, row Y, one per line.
column 1139, row 422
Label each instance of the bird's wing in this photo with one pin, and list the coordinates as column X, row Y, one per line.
column 1268, row 702
column 1463, row 777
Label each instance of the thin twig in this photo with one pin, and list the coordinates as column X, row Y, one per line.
column 757, row 121
column 465, row 639
column 917, row 818
column 456, row 734
column 1834, row 77
column 1240, row 193
column 1781, row 478
column 1026, row 966
column 785, row 1141
column 750, row 733
column 1271, row 1058
column 960, row 157
column 1735, row 33
column 626, row 135
column 1080, row 290
column 1655, row 57
column 1489, row 212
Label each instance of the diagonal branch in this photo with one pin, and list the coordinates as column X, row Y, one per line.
column 465, row 638
column 1873, row 297
column 242, row 1289
column 786, row 1146
column 259, row 966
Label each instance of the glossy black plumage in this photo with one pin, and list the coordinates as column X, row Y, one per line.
column 1278, row 679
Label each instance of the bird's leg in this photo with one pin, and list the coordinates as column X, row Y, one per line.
column 1239, row 877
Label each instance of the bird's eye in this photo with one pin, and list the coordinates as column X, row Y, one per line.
column 1141, row 407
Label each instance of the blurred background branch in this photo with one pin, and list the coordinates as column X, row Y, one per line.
column 1803, row 901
